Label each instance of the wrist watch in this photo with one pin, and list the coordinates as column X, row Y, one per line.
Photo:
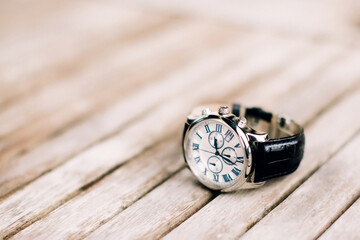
column 231, row 148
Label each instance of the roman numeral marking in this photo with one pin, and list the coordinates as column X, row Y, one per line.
column 205, row 171
column 197, row 160
column 199, row 135
column 218, row 128
column 239, row 159
column 229, row 135
column 227, row 177
column 195, row 146
column 207, row 128
column 216, row 177
column 238, row 145
column 236, row 171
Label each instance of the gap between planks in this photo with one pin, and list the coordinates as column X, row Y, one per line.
column 346, row 226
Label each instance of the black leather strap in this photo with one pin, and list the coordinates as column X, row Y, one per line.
column 277, row 156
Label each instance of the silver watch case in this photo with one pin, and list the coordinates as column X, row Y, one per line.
column 245, row 133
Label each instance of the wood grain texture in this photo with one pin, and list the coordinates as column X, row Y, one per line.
column 111, row 195
column 164, row 210
column 347, row 226
column 311, row 208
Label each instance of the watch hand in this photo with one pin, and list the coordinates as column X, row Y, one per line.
column 206, row 151
column 227, row 155
column 216, row 147
column 213, row 164
column 226, row 159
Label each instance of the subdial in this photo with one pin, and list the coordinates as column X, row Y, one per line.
column 214, row 164
column 229, row 156
column 216, row 140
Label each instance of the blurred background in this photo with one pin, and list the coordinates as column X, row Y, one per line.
column 76, row 73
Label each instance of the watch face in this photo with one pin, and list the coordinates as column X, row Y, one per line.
column 215, row 153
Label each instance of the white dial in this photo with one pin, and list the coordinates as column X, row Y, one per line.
column 215, row 153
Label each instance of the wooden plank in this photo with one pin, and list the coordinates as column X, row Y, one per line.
column 330, row 19
column 347, row 226
column 166, row 211
column 245, row 208
column 118, row 226
column 312, row 207
column 66, row 42
column 126, row 144
column 86, row 201
column 166, row 43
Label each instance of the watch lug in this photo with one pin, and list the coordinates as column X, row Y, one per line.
column 189, row 121
column 258, row 137
column 250, row 184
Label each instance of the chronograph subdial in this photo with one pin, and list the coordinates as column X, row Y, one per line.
column 214, row 164
column 216, row 140
column 229, row 156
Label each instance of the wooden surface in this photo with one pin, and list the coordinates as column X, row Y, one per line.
column 94, row 94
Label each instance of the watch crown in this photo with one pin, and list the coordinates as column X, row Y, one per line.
column 224, row 110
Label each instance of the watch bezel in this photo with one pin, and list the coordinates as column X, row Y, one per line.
column 228, row 120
